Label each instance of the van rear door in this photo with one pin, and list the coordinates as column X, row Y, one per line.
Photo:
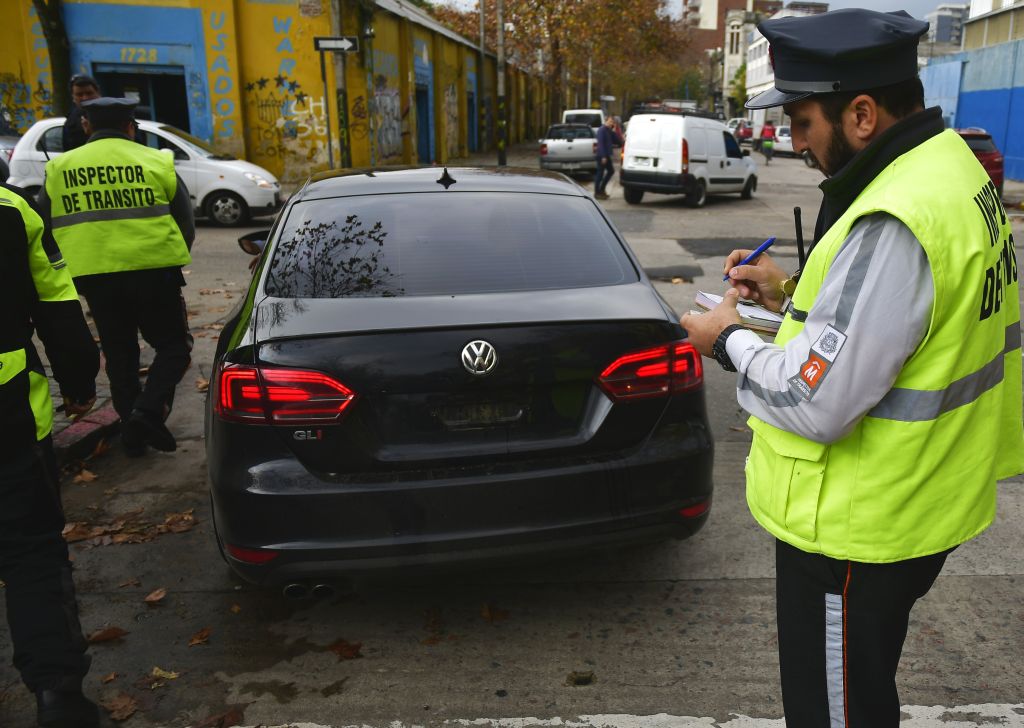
column 654, row 144
column 726, row 167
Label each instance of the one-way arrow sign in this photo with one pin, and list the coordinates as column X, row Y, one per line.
column 344, row 43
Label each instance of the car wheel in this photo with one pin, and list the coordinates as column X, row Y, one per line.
column 749, row 187
column 632, row 195
column 225, row 208
column 698, row 196
column 809, row 160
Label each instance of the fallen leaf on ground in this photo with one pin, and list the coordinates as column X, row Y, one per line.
column 121, row 706
column 165, row 674
column 235, row 609
column 232, row 717
column 577, row 679
column 677, row 281
column 85, row 476
column 200, row 638
column 493, row 614
column 346, row 650
column 109, row 678
column 210, row 291
column 131, row 582
column 106, row 635
column 155, row 596
column 202, row 384
column 101, row 447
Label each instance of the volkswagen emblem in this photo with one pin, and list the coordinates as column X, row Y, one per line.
column 479, row 357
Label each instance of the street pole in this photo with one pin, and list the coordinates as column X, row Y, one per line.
column 480, row 82
column 590, row 75
column 502, row 161
column 327, row 111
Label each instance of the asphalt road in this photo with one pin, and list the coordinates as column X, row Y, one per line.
column 671, row 635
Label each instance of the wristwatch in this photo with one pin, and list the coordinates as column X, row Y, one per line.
column 718, row 348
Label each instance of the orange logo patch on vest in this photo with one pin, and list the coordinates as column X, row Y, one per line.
column 812, row 369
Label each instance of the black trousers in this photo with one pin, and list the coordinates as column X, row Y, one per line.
column 49, row 650
column 149, row 302
column 842, row 625
column 603, row 175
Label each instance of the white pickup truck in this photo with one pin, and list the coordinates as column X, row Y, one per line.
column 569, row 148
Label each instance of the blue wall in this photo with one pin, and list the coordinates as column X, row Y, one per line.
column 141, row 37
column 991, row 96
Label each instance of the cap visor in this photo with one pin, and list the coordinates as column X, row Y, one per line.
column 774, row 97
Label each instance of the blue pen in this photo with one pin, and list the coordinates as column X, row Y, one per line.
column 753, row 256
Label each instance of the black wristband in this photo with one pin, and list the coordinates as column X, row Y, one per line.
column 718, row 349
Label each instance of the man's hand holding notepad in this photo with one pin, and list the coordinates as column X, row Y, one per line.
column 752, row 315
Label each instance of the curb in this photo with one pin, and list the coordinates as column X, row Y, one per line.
column 79, row 439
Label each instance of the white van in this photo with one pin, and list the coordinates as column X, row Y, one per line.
column 677, row 154
column 591, row 117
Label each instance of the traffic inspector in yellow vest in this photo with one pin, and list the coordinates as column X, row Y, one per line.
column 37, row 295
column 890, row 402
column 123, row 219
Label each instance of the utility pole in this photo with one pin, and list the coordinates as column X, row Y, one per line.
column 480, row 82
column 502, row 161
column 590, row 76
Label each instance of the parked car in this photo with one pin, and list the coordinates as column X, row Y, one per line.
column 690, row 155
column 569, row 148
column 469, row 365
column 590, row 117
column 742, row 129
column 984, row 148
column 784, row 141
column 7, row 144
column 225, row 190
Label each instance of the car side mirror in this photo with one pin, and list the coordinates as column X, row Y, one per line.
column 253, row 243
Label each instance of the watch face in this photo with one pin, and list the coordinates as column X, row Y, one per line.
column 789, row 286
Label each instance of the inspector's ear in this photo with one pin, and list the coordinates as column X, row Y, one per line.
column 861, row 118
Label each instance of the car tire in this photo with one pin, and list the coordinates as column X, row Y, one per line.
column 225, row 209
column 632, row 195
column 698, row 196
column 749, row 187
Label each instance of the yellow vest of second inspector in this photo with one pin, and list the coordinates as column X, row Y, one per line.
column 917, row 475
column 110, row 208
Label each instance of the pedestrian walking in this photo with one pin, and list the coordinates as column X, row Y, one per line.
column 83, row 88
column 123, row 220
column 890, row 402
column 37, row 293
column 768, row 142
column 607, row 140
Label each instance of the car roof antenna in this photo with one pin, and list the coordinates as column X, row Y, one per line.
column 446, row 179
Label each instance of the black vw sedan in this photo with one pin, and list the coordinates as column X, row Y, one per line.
column 437, row 367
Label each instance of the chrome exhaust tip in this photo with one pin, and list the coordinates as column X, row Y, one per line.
column 298, row 590
column 324, row 591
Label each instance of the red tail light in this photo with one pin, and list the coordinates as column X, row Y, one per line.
column 263, row 395
column 251, row 556
column 697, row 509
column 655, row 372
column 543, row 149
column 686, row 157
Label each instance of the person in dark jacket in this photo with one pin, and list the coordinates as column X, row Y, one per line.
column 83, row 88
column 607, row 138
column 36, row 293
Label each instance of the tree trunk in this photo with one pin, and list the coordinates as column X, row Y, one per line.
column 60, row 53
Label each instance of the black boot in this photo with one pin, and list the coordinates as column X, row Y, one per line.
column 65, row 709
column 150, row 428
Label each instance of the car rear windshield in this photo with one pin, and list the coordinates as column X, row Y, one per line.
column 981, row 143
column 570, row 132
column 444, row 243
column 583, row 118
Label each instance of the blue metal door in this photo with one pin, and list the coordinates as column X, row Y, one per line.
column 423, row 124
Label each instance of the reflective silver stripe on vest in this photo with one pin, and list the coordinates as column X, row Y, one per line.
column 834, row 660
column 918, row 405
column 775, row 398
column 131, row 213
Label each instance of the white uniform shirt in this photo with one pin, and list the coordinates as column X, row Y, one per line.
column 870, row 315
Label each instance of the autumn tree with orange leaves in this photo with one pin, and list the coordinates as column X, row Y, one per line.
column 635, row 51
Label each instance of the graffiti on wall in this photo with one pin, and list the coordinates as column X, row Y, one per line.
column 387, row 119
column 21, row 105
column 221, row 78
column 287, row 123
column 451, row 120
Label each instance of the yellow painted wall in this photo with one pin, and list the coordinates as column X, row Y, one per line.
column 450, row 101
column 220, row 33
column 284, row 104
column 25, row 88
column 387, row 105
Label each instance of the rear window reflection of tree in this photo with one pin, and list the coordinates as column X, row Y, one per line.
column 321, row 260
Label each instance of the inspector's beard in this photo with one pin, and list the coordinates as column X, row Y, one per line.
column 838, row 154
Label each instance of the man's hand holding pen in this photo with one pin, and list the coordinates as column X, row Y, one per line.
column 760, row 280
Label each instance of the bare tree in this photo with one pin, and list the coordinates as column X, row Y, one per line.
column 52, row 21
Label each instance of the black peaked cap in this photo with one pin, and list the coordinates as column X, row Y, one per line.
column 107, row 111
column 843, row 50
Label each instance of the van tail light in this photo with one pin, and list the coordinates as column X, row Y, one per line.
column 686, row 157
column 543, row 149
column 655, row 372
column 264, row 395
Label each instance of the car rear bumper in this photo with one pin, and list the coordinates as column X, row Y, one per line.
column 582, row 165
column 672, row 184
column 322, row 526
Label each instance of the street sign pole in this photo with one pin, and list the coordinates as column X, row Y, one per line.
column 340, row 44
